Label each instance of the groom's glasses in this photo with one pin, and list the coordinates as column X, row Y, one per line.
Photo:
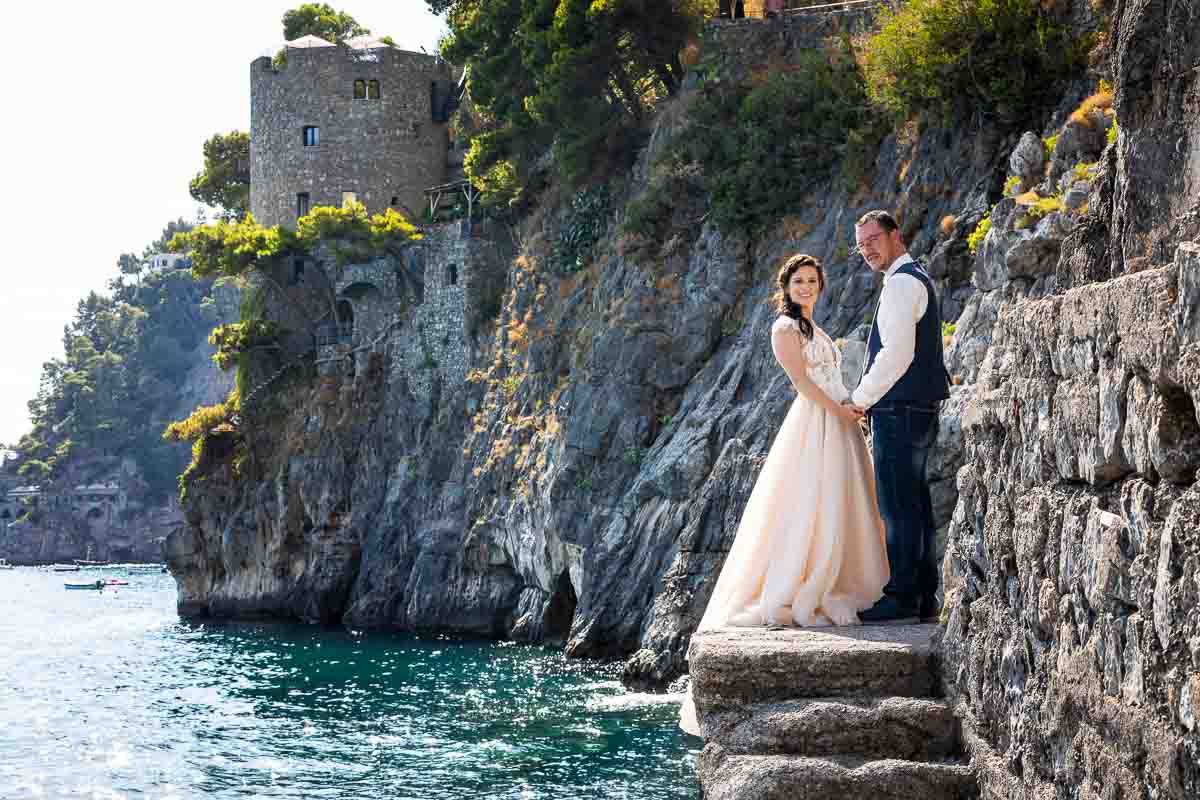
column 870, row 240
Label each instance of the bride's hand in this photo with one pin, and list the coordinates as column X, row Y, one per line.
column 849, row 413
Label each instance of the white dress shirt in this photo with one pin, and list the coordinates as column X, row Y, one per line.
column 901, row 304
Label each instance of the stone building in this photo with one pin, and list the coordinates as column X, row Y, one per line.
column 361, row 121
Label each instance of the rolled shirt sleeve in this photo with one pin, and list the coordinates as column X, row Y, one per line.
column 901, row 304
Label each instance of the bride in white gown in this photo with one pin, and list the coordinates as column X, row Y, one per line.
column 810, row 549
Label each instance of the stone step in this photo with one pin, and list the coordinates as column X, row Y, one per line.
column 735, row 667
column 726, row 776
column 917, row 729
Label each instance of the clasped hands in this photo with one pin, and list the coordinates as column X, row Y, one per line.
column 852, row 412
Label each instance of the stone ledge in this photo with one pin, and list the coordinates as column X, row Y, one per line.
column 732, row 668
column 893, row 727
column 739, row 777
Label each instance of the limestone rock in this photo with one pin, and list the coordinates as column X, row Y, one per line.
column 739, row 777
column 1028, row 158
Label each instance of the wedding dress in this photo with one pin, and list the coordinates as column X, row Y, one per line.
column 810, row 548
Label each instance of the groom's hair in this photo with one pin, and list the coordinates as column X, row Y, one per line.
column 885, row 220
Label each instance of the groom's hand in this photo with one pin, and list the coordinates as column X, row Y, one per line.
column 858, row 410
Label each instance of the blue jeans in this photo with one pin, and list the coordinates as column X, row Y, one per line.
column 901, row 438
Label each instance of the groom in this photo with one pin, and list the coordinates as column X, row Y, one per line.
column 901, row 390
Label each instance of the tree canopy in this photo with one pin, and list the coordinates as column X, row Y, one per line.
column 224, row 182
column 110, row 391
column 320, row 20
column 576, row 75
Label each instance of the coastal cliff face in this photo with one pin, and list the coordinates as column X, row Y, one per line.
column 1072, row 646
column 582, row 486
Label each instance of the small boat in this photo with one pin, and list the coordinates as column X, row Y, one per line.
column 4, row 564
column 65, row 568
column 79, row 562
column 84, row 584
column 116, row 582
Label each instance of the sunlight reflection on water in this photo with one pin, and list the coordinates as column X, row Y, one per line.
column 108, row 695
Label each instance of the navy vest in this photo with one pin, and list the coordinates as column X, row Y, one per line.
column 926, row 382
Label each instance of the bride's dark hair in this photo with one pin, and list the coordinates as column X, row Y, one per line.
column 783, row 303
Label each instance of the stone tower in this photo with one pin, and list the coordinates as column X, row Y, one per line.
column 363, row 120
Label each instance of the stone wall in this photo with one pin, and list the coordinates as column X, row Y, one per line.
column 437, row 344
column 378, row 148
column 1072, row 643
column 734, row 48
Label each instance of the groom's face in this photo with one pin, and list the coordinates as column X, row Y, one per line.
column 878, row 247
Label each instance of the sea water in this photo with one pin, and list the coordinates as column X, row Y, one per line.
column 110, row 695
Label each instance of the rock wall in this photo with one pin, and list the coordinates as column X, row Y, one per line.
column 1072, row 644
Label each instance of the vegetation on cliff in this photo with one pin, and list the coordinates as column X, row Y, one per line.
column 224, row 183
column 122, row 354
column 243, row 249
column 1002, row 59
column 758, row 148
column 578, row 77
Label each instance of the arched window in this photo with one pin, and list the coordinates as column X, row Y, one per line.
column 452, row 275
column 372, row 90
column 360, row 90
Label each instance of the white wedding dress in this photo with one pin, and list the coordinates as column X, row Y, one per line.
column 810, row 548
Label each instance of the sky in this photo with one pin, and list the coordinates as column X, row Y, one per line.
column 107, row 106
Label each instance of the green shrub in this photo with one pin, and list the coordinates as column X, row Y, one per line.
column 1001, row 58
column 236, row 338
column 673, row 187
column 762, row 149
column 1011, row 185
column 1085, row 171
column 1112, row 133
column 1040, row 207
column 1049, row 143
column 205, row 426
column 585, row 223
column 981, row 231
column 232, row 248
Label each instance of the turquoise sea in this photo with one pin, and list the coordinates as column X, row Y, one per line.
column 110, row 695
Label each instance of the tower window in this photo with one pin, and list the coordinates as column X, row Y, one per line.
column 312, row 136
column 360, row 90
column 395, row 201
column 302, row 204
column 372, row 90
column 297, row 270
column 452, row 274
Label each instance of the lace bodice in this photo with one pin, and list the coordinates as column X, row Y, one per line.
column 824, row 360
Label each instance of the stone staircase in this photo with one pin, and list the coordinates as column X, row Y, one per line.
column 809, row 714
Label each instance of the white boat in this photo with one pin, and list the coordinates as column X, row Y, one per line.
column 94, row 585
column 64, row 568
column 4, row 564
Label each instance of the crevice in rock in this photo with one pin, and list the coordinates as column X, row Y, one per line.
column 560, row 611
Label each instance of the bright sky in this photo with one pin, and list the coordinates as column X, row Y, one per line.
column 107, row 108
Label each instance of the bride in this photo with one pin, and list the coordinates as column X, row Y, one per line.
column 810, row 549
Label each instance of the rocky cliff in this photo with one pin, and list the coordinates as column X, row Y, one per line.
column 1072, row 647
column 584, row 483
